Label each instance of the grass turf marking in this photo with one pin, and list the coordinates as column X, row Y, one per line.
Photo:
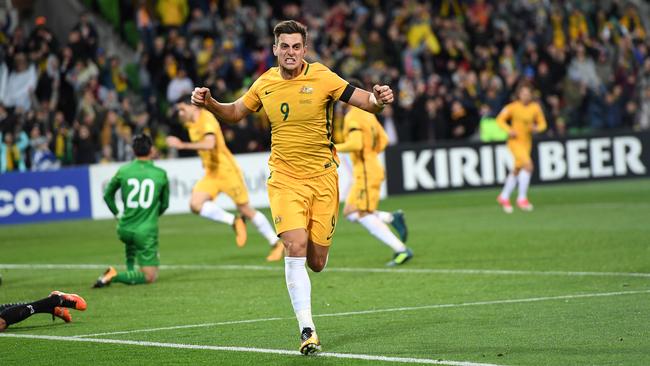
column 376, row 311
column 249, row 350
column 234, row 267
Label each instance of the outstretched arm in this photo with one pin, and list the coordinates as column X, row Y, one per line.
column 226, row 112
column 353, row 142
column 372, row 102
column 207, row 143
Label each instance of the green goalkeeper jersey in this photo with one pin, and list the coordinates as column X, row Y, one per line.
column 145, row 194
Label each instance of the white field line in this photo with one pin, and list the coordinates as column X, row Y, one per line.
column 376, row 311
column 234, row 267
column 249, row 350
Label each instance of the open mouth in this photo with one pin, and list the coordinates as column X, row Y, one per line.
column 290, row 61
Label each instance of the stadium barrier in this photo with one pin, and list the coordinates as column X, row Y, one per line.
column 427, row 167
column 77, row 193
column 44, row 196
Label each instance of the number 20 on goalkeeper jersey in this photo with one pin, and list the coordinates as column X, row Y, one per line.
column 144, row 192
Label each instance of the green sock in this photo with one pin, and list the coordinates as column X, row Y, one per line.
column 130, row 277
column 130, row 264
column 130, row 257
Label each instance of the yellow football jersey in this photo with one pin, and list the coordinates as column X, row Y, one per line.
column 300, row 113
column 522, row 117
column 219, row 155
column 374, row 138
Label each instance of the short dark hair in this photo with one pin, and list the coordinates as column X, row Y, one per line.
column 524, row 84
column 290, row 27
column 142, row 145
column 185, row 98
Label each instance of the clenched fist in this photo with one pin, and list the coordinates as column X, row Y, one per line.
column 201, row 96
column 383, row 94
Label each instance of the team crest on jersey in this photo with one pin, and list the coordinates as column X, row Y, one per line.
column 306, row 89
column 277, row 219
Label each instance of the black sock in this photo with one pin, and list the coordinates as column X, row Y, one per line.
column 18, row 313
column 5, row 306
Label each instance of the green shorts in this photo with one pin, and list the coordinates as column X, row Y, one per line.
column 144, row 244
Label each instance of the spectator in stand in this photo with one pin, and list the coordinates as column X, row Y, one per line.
column 180, row 85
column 12, row 151
column 172, row 13
column 644, row 111
column 42, row 159
column 588, row 60
column 85, row 149
column 17, row 88
column 144, row 21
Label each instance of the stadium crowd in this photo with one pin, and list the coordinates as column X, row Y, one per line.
column 452, row 63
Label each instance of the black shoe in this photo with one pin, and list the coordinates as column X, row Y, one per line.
column 310, row 344
column 105, row 279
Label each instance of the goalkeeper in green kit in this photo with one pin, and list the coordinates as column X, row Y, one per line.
column 145, row 194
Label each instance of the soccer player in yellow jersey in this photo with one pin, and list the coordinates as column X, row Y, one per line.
column 365, row 138
column 222, row 174
column 303, row 187
column 526, row 117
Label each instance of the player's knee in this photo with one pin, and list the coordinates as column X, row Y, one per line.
column 3, row 325
column 195, row 206
column 295, row 248
column 151, row 277
column 295, row 241
column 317, row 264
column 246, row 210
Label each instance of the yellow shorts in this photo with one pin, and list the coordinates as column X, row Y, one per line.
column 520, row 153
column 311, row 204
column 364, row 193
column 228, row 180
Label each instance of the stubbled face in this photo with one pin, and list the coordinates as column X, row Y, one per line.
column 290, row 51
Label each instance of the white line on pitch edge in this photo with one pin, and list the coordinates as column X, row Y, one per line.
column 249, row 349
column 375, row 311
column 234, row 267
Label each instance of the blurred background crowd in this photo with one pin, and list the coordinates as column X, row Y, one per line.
column 453, row 65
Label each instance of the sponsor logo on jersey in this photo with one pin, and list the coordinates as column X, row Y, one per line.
column 306, row 89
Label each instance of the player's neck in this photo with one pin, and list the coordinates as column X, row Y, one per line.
column 291, row 74
column 143, row 158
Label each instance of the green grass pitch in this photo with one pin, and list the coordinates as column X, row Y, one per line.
column 568, row 284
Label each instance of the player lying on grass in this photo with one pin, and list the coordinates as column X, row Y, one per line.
column 145, row 194
column 365, row 138
column 56, row 304
column 222, row 175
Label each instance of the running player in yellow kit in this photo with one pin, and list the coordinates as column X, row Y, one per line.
column 526, row 117
column 365, row 138
column 222, row 174
column 303, row 187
